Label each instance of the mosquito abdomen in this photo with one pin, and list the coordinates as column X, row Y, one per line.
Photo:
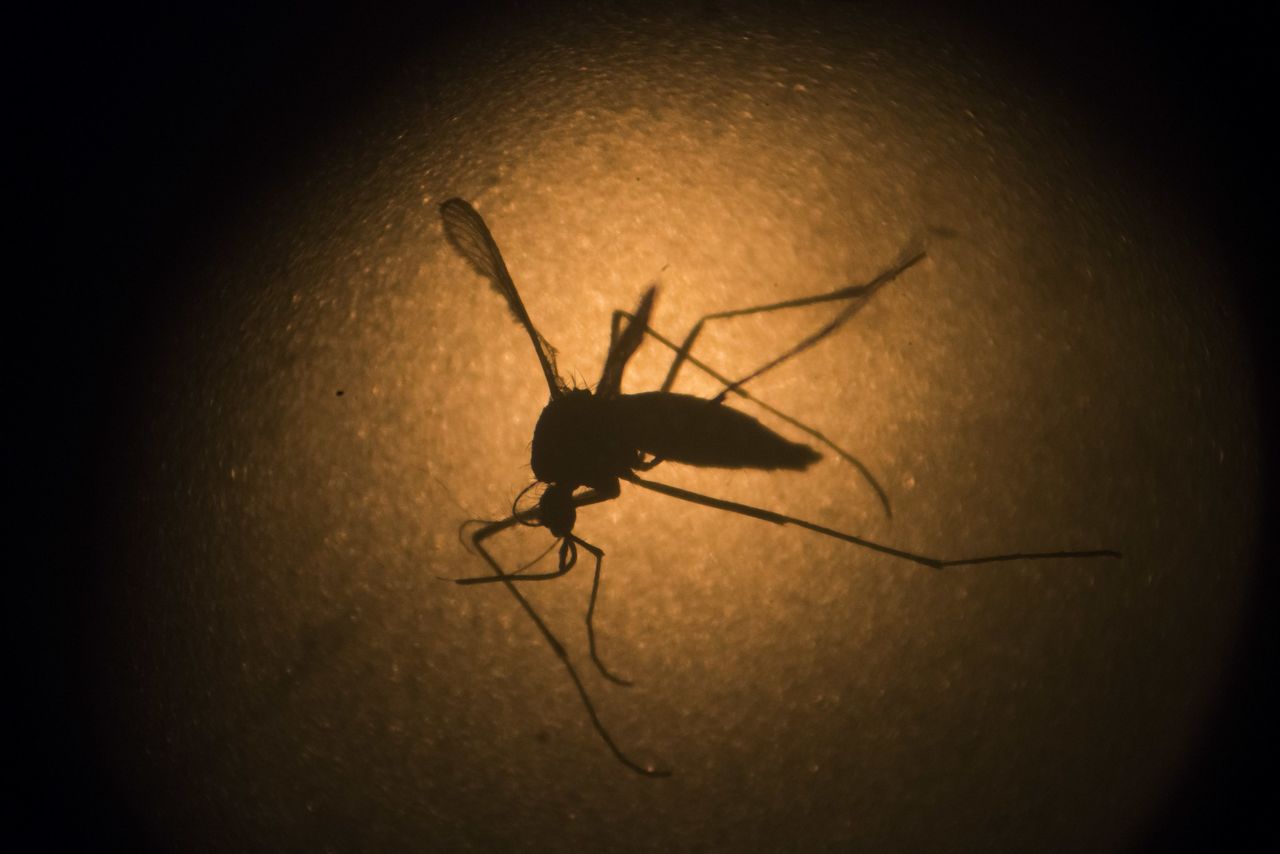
column 693, row 430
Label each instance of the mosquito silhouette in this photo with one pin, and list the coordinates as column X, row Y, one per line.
column 586, row 442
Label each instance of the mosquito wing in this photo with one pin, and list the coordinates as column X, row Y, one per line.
column 466, row 230
column 624, row 346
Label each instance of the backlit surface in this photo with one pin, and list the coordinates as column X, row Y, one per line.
column 283, row 666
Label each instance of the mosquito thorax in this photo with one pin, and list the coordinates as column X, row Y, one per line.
column 577, row 444
column 553, row 455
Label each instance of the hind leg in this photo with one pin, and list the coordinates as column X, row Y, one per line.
column 857, row 295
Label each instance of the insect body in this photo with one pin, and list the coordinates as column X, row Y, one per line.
column 585, row 439
column 587, row 442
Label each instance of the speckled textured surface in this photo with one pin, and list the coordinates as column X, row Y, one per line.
column 286, row 670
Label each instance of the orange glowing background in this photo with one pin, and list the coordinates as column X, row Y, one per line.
column 281, row 665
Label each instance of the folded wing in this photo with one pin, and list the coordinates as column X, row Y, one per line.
column 465, row 229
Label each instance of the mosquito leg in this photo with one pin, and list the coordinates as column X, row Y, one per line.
column 517, row 576
column 516, row 517
column 598, row 554
column 858, row 295
column 477, row 540
column 487, row 531
column 566, row 564
column 923, row 560
column 731, row 387
column 589, row 497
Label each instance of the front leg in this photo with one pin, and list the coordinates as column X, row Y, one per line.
column 477, row 541
column 568, row 557
column 598, row 554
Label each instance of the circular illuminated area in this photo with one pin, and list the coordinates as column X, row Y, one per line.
column 287, row 663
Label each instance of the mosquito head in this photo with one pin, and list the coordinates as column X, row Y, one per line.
column 557, row 511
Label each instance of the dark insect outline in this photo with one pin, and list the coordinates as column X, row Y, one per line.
column 591, row 441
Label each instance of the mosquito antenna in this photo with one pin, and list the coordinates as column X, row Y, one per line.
column 462, row 529
column 523, row 516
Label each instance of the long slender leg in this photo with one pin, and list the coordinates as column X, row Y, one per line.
column 859, row 294
column 466, row 544
column 598, row 554
column 518, row 575
column 923, row 560
column 733, row 388
column 566, row 564
column 478, row 540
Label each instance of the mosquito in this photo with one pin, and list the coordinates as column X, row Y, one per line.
column 586, row 442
